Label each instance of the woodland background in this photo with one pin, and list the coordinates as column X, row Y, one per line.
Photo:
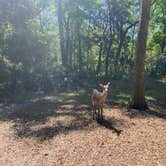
column 41, row 42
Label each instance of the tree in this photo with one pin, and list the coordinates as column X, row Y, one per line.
column 138, row 91
column 54, row 38
column 61, row 32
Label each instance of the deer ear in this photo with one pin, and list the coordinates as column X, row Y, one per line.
column 101, row 85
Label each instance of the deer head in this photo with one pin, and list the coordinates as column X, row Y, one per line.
column 105, row 87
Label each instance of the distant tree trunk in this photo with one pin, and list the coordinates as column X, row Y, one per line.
column 121, row 41
column 79, row 49
column 163, row 44
column 88, row 47
column 67, row 39
column 99, row 60
column 108, row 48
column 118, row 53
column 70, row 51
column 75, row 57
column 61, row 32
column 106, row 62
column 133, row 42
column 138, row 100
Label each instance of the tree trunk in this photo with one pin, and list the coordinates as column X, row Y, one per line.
column 120, row 46
column 67, row 40
column 61, row 33
column 133, row 43
column 70, row 51
column 79, row 50
column 163, row 44
column 99, row 60
column 138, row 101
column 118, row 53
column 108, row 48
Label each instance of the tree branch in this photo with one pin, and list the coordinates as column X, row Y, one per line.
column 130, row 26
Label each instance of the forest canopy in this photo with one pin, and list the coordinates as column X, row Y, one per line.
column 41, row 42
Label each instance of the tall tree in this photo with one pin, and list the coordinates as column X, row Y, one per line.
column 138, row 91
column 61, row 32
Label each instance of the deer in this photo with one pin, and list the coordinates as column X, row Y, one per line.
column 98, row 100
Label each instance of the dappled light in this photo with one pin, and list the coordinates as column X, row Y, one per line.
column 82, row 82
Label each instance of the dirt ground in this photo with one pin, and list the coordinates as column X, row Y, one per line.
column 55, row 132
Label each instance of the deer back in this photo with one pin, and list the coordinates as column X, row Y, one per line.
column 98, row 98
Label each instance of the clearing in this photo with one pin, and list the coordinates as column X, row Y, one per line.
column 58, row 130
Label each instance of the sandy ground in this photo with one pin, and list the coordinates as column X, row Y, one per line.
column 67, row 135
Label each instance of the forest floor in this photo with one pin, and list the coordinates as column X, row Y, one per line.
column 58, row 129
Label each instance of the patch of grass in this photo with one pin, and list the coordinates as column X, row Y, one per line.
column 150, row 98
column 156, row 90
column 70, row 94
column 162, row 80
column 123, row 98
column 52, row 98
column 119, row 93
column 21, row 96
column 111, row 122
column 67, row 111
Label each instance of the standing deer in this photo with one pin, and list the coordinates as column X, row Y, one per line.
column 98, row 100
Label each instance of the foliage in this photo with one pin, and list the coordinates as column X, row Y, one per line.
column 98, row 38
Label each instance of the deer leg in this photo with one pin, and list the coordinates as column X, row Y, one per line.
column 94, row 111
column 98, row 113
column 101, row 112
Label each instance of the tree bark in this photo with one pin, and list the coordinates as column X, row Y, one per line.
column 121, row 41
column 61, row 33
column 67, row 39
column 108, row 48
column 118, row 53
column 99, row 60
column 79, row 50
column 70, row 51
column 133, row 43
column 138, row 100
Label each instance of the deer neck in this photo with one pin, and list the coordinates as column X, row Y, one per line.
column 104, row 94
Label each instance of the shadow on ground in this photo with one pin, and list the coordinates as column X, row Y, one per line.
column 152, row 112
column 46, row 117
column 110, row 124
